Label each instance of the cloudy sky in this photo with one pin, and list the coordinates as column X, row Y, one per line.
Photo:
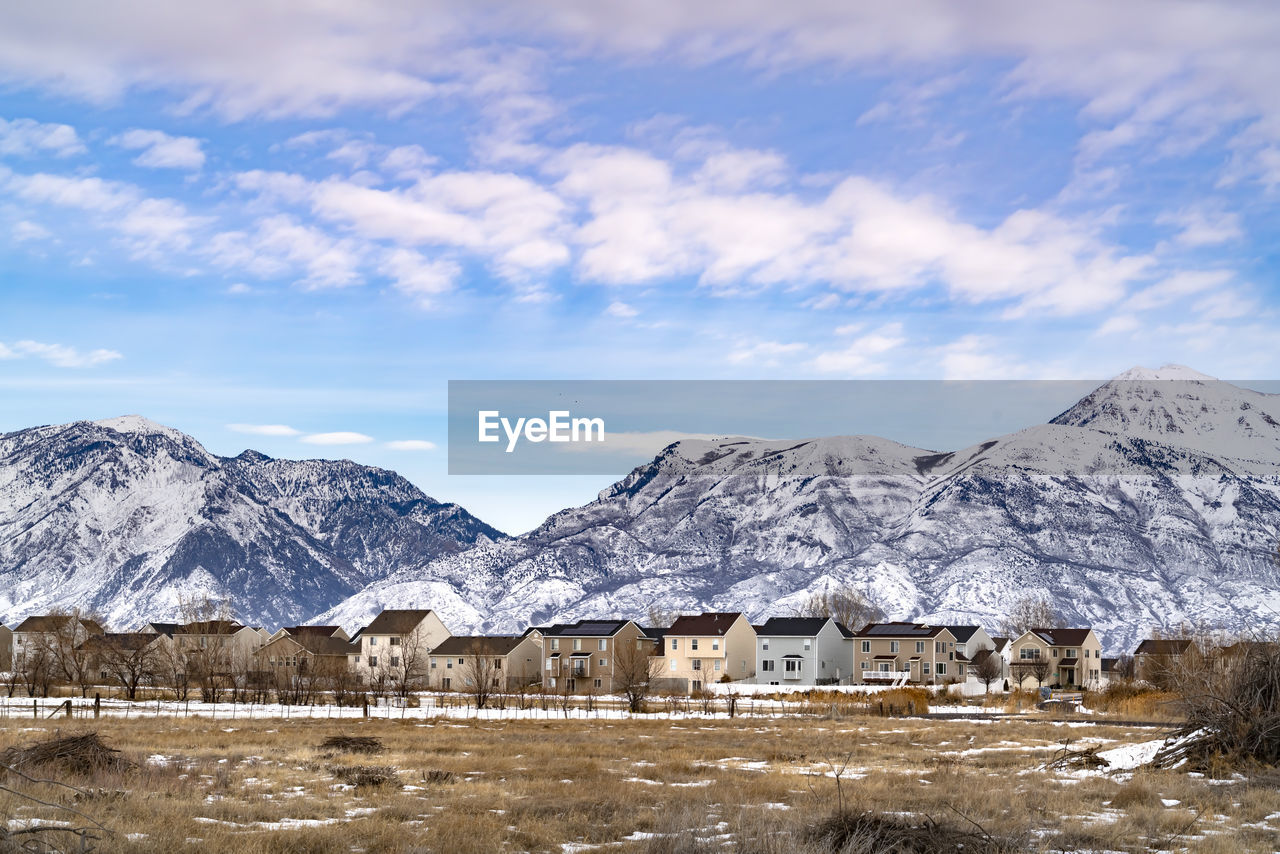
column 286, row 225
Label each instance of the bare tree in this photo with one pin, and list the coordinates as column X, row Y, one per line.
column 660, row 617
column 479, row 673
column 634, row 671
column 989, row 668
column 65, row 639
column 1029, row 612
column 406, row 665
column 132, row 659
column 36, row 665
column 846, row 606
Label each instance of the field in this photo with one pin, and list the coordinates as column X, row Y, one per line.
column 750, row 784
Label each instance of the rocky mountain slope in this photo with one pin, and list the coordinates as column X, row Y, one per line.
column 130, row 519
column 1155, row 500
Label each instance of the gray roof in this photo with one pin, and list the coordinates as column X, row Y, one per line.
column 396, row 622
column 962, row 633
column 585, row 628
column 898, row 630
column 796, row 627
column 478, row 644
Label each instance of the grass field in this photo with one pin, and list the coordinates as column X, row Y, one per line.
column 758, row 785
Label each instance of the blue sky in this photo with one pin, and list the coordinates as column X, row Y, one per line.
column 270, row 215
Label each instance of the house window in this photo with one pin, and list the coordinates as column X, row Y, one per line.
column 577, row 644
column 357, row 659
column 604, row 644
column 447, row 683
column 925, row 668
column 696, row 663
column 866, row 665
column 497, row 663
column 693, row 644
column 598, row 683
column 373, row 661
column 448, row 663
column 1055, row 652
column 604, row 662
column 1029, row 652
column 697, row 685
column 766, row 666
column 395, row 641
column 808, row 644
column 920, row 647
column 715, row 644
column 942, row 668
column 372, row 642
column 866, row 646
column 551, row 681
column 764, row 644
column 673, row 664
column 433, row 663
column 792, row 666
column 555, row 643
column 461, row 662
column 893, row 646
column 675, row 644
column 395, row 661
column 717, row 666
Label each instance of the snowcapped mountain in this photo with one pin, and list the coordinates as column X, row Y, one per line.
column 129, row 518
column 1155, row 500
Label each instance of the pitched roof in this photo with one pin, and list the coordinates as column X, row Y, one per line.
column 1151, row 646
column 169, row 629
column 325, row 631
column 982, row 655
column 52, row 622
column 1109, row 664
column 703, row 625
column 210, row 627
column 898, row 630
column 130, row 641
column 479, row 644
column 1000, row 643
column 793, row 627
column 1061, row 637
column 654, row 632
column 316, row 644
column 584, row 628
column 962, row 633
column 396, row 622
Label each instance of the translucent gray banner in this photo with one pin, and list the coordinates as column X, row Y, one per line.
column 918, row 429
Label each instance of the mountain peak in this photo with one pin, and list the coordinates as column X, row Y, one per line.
column 1165, row 372
column 136, row 424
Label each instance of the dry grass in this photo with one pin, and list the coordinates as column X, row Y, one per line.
column 638, row 786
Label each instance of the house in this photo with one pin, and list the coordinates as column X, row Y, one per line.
column 708, row 648
column 1064, row 657
column 394, row 647
column 45, row 635
column 803, row 651
column 970, row 639
column 505, row 662
column 322, row 631
column 287, row 656
column 6, row 647
column 583, row 656
column 907, row 652
column 1157, row 659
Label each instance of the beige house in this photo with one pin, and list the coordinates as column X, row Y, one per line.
column 581, row 657
column 1157, row 660
column 303, row 654
column 712, row 647
column 43, row 635
column 908, row 653
column 505, row 661
column 393, row 649
column 131, row 660
column 1066, row 658
column 322, row 631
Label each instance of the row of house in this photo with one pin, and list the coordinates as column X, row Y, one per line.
column 400, row 648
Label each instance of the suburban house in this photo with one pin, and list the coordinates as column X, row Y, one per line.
column 131, row 659
column 907, row 653
column 504, row 661
column 1067, row 658
column 394, row 647
column 803, row 651
column 304, row 654
column 970, row 639
column 584, row 656
column 45, row 634
column 6, row 647
column 708, row 648
column 1155, row 659
column 323, row 631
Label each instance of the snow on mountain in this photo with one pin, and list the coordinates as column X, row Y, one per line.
column 131, row 518
column 1155, row 500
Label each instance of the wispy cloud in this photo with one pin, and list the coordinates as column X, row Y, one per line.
column 159, row 150
column 264, row 429
column 58, row 355
column 411, row 445
column 337, row 438
column 27, row 137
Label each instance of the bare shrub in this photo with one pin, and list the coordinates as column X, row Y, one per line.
column 851, row 832
column 352, row 743
column 75, row 754
column 366, row 775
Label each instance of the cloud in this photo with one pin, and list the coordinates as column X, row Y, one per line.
column 620, row 310
column 279, row 245
column 27, row 137
column 24, row 230
column 419, row 277
column 338, row 438
column 411, row 445
column 238, row 289
column 767, row 353
column 1119, row 325
column 162, row 151
column 862, row 354
column 1176, row 287
column 264, row 429
column 58, row 355
column 1200, row 226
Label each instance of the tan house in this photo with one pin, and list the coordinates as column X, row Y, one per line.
column 581, row 657
column 43, row 635
column 131, row 660
column 322, row 631
column 393, row 649
column 1067, row 658
column 6, row 647
column 303, row 654
column 712, row 647
column 505, row 661
column 1157, row 659
column 908, row 653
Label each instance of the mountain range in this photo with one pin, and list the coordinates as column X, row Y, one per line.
column 1153, row 501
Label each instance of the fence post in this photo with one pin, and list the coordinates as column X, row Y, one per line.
column 35, row 709
column 97, row 705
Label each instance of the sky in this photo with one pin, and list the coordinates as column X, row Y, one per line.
column 288, row 225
